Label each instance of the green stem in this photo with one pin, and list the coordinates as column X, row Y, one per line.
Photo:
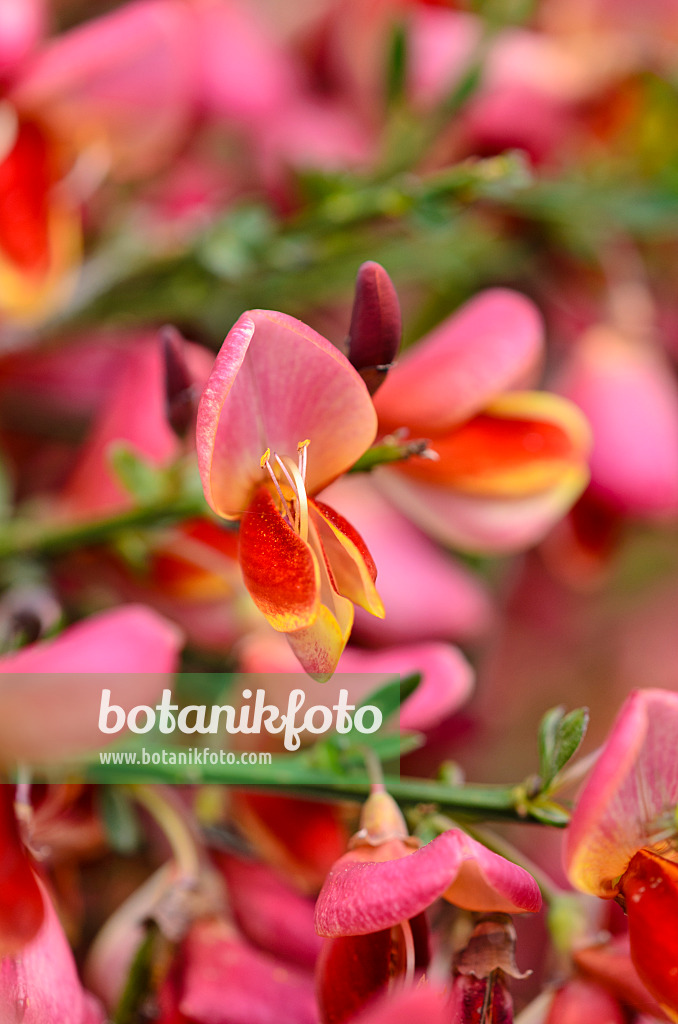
column 485, row 801
column 391, row 451
column 35, row 537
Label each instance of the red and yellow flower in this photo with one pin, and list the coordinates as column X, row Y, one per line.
column 622, row 841
column 282, row 416
column 510, row 461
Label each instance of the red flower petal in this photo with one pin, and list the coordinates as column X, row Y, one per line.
column 353, row 969
column 580, row 1001
column 25, row 180
column 21, row 904
column 126, row 77
column 610, row 965
column 521, row 445
column 279, row 569
column 650, row 886
column 220, row 980
column 269, row 912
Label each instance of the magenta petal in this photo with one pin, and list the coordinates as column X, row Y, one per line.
column 22, row 23
column 447, row 679
column 270, row 913
column 245, row 75
column 225, row 982
column 275, row 383
column 631, row 795
column 132, row 410
column 442, row 44
column 41, row 986
column 359, row 897
column 54, row 710
column 127, row 78
column 630, row 398
column 491, row 344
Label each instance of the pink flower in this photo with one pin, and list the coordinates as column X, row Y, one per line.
column 271, row 914
column 245, row 75
column 117, row 92
column 40, row 232
column 621, row 839
column 284, row 414
column 50, row 692
column 22, row 24
column 370, row 889
column 125, row 80
column 628, row 394
column 510, row 462
column 373, row 902
column 219, row 979
column 446, row 683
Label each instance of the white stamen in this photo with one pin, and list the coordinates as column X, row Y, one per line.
column 292, row 484
column 302, row 449
column 265, row 464
column 299, row 488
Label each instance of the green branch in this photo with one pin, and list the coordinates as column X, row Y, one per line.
column 292, row 775
column 37, row 537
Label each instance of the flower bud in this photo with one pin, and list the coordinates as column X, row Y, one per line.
column 381, row 821
column 376, row 325
column 180, row 404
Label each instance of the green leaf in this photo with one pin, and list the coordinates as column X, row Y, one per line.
column 396, row 71
column 138, row 476
column 389, row 698
column 142, row 979
column 548, row 813
column 560, row 735
column 387, row 748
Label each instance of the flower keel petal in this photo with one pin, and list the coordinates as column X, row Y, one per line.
column 280, row 570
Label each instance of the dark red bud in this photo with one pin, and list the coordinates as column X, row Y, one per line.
column 180, row 404
column 481, row 1000
column 26, row 613
column 376, row 325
